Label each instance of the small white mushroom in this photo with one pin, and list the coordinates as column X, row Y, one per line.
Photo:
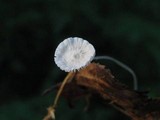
column 73, row 54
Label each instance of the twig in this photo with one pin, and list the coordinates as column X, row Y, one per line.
column 96, row 79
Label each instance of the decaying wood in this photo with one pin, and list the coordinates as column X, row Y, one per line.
column 96, row 79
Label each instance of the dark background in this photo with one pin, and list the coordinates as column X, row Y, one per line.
column 30, row 31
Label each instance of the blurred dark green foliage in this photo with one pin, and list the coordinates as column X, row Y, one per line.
column 30, row 30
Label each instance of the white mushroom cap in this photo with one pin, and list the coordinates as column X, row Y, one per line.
column 74, row 53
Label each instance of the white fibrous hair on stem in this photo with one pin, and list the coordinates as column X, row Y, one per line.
column 73, row 54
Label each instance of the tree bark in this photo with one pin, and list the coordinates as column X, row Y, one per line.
column 136, row 105
column 96, row 79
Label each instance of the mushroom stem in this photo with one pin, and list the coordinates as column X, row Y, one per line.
column 68, row 78
column 135, row 81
